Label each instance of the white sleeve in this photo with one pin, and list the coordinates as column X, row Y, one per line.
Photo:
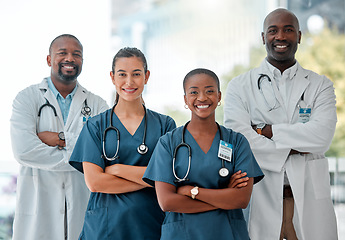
column 28, row 149
column 314, row 136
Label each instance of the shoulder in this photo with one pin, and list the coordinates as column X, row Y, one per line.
column 164, row 120
column 158, row 115
column 32, row 89
column 89, row 94
column 233, row 136
column 314, row 77
column 172, row 138
column 99, row 118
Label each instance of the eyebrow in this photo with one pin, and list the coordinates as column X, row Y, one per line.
column 64, row 49
column 135, row 70
column 204, row 87
column 285, row 26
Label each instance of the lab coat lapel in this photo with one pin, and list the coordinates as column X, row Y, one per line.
column 264, row 70
column 52, row 99
column 76, row 105
column 300, row 84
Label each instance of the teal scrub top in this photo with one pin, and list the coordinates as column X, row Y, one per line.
column 204, row 172
column 135, row 215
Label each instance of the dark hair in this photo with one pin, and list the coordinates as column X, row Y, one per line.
column 129, row 52
column 200, row 71
column 62, row 36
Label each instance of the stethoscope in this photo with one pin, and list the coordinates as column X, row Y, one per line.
column 260, row 79
column 86, row 110
column 223, row 171
column 142, row 148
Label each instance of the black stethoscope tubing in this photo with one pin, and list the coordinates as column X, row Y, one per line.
column 86, row 111
column 223, row 171
column 142, row 148
column 262, row 75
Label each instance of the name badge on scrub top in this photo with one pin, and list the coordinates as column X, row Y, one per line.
column 304, row 115
column 225, row 151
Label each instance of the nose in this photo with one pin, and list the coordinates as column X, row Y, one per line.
column 202, row 97
column 69, row 57
column 129, row 80
column 280, row 35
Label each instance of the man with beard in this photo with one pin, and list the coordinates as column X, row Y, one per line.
column 288, row 115
column 46, row 121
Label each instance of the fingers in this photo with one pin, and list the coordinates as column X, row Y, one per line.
column 238, row 180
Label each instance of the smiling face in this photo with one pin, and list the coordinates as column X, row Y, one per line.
column 129, row 78
column 281, row 36
column 202, row 95
column 65, row 59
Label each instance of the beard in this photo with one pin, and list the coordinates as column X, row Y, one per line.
column 69, row 78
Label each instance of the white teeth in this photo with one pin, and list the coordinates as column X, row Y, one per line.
column 202, row 106
column 68, row 67
column 129, row 90
column 280, row 47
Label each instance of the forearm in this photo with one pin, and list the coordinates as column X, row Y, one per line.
column 99, row 181
column 170, row 201
column 184, row 204
column 227, row 198
column 128, row 172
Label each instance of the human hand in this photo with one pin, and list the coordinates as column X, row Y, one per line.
column 51, row 139
column 293, row 151
column 266, row 131
column 238, row 180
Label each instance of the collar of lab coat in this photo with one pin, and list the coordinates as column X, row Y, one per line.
column 76, row 105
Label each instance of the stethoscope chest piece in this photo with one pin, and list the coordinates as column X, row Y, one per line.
column 223, row 172
column 142, row 149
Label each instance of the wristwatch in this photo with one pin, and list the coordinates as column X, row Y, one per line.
column 259, row 128
column 61, row 136
column 194, row 191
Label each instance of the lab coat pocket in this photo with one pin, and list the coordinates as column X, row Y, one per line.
column 96, row 224
column 27, row 194
column 320, row 177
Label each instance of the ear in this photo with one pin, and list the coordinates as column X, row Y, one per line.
column 263, row 38
column 299, row 36
column 219, row 96
column 49, row 59
column 112, row 77
column 147, row 75
column 185, row 99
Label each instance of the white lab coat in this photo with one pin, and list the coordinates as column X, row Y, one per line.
column 314, row 217
column 47, row 183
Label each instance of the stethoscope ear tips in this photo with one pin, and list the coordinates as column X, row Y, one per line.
column 142, row 149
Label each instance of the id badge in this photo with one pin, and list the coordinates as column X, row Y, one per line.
column 85, row 119
column 304, row 115
column 225, row 151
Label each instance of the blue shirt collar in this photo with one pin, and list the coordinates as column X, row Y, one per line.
column 56, row 92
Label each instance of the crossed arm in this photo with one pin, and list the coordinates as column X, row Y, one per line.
column 236, row 195
column 51, row 139
column 267, row 132
column 115, row 179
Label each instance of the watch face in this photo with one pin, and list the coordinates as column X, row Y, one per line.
column 61, row 136
column 194, row 191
